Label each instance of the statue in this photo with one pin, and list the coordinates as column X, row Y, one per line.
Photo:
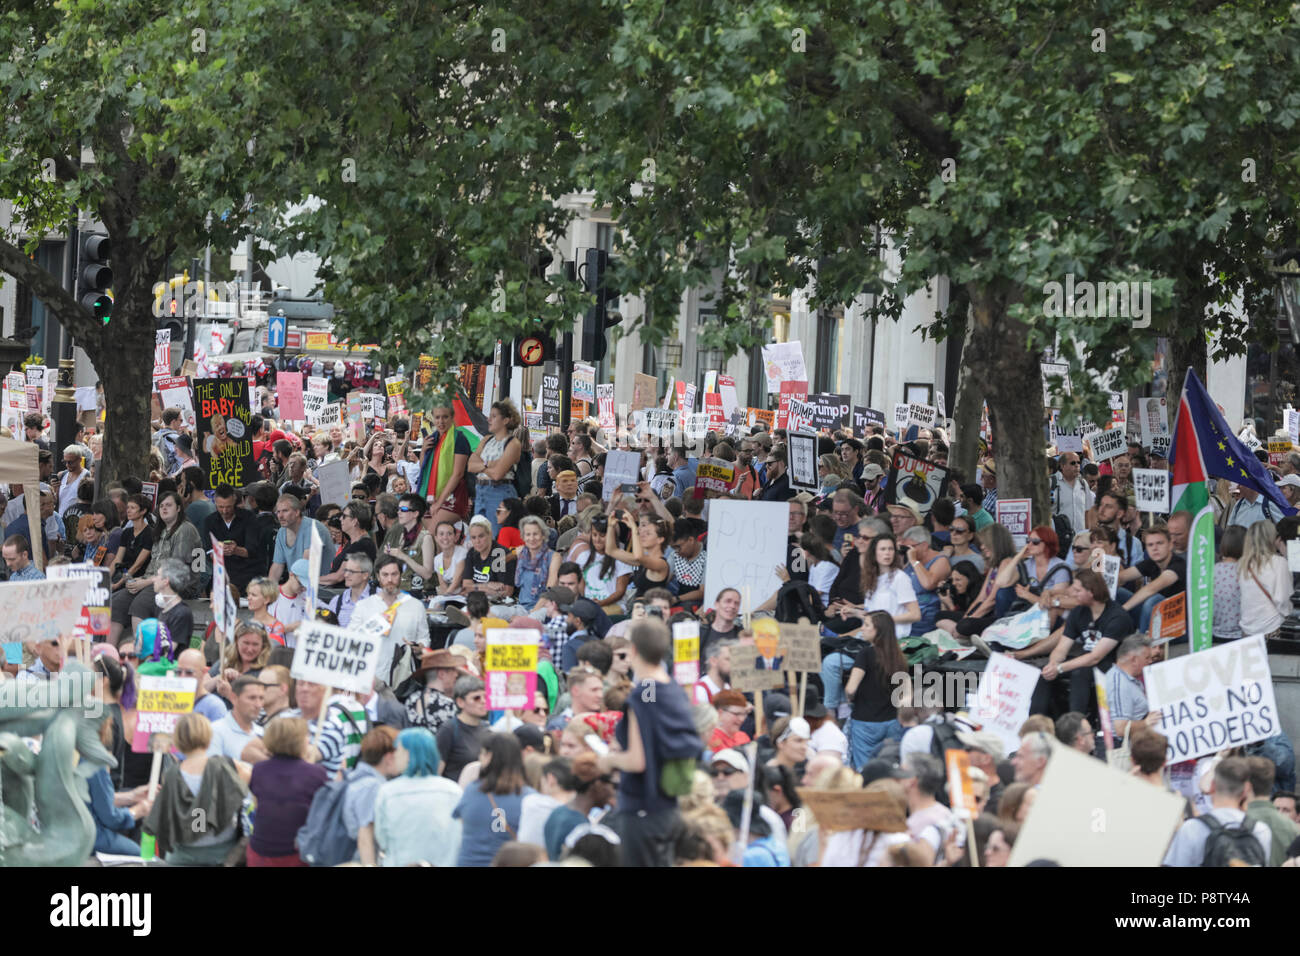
column 62, row 712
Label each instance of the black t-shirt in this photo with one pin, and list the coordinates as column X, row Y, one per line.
column 180, row 624
column 848, row 580
column 872, row 703
column 480, row 567
column 134, row 544
column 1114, row 622
column 363, row 545
column 792, row 542
column 460, row 745
column 1150, row 571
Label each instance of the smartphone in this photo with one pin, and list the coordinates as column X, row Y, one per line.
column 628, row 488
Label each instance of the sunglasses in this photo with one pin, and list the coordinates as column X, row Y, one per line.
column 130, row 657
column 541, row 711
column 1034, row 540
column 723, row 772
column 405, row 510
column 621, row 656
column 1077, row 548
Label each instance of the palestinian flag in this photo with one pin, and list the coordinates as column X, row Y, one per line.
column 1190, row 493
column 437, row 465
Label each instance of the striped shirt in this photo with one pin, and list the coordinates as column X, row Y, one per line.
column 340, row 740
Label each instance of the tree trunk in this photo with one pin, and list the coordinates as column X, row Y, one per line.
column 967, row 411
column 1184, row 354
column 125, row 366
column 1011, row 379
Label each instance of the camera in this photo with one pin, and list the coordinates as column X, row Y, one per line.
column 655, row 612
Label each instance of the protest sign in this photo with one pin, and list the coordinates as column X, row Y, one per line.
column 645, row 391
column 1107, row 444
column 1066, row 439
column 727, row 392
column 1293, row 425
column 1160, row 445
column 1110, row 565
column 224, row 439
column 395, row 387
column 900, row 417
column 686, row 652
column 605, row 407
column 160, row 702
column 658, row 424
column 790, row 391
column 764, row 417
column 162, row 353
column 799, row 417
column 695, row 427
column 551, row 396
column 1053, row 393
column 536, row 430
column 830, row 411
column 801, row 449
column 174, row 392
column 1213, row 699
column 801, row 647
column 1169, row 619
column 94, row 622
column 747, row 677
column 1002, row 703
column 854, row 810
column 221, row 601
column 921, row 415
column 621, row 467
column 584, row 382
column 335, row 483
column 316, row 396
column 288, row 392
column 511, row 665
column 864, row 418
column 1276, row 452
column 961, row 792
column 1153, row 418
column 1016, row 515
column 747, row 540
column 712, row 474
column 783, row 362
column 372, row 402
column 717, row 418
column 1293, row 555
column 336, row 657
column 1151, row 490
column 916, row 480
column 1249, row 439
column 1089, row 814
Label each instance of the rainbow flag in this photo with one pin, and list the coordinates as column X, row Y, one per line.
column 437, row 465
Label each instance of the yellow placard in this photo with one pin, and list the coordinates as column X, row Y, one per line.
column 511, row 657
column 686, row 649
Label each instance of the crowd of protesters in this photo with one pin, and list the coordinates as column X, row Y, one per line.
column 615, row 764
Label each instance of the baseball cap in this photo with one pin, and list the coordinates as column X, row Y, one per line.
column 882, row 769
column 301, row 570
column 530, row 736
column 1288, row 481
column 732, row 758
column 798, row 727
column 586, row 611
column 560, row 595
column 776, row 705
column 871, row 472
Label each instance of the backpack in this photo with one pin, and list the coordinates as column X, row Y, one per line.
column 1064, row 530
column 323, row 840
column 1226, row 845
column 798, row 600
column 524, row 471
column 678, row 745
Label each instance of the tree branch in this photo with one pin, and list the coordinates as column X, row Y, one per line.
column 50, row 291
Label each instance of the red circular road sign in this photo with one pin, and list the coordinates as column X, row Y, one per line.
column 531, row 350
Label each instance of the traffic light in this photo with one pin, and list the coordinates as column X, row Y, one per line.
column 96, row 276
column 602, row 316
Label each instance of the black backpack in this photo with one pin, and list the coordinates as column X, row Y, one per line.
column 798, row 600
column 1228, row 844
column 1064, row 531
column 524, row 471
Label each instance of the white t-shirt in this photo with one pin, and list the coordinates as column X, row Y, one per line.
column 829, row 737
column 821, row 576
column 844, row 848
column 288, row 611
column 447, row 569
column 706, row 690
column 599, row 589
column 893, row 590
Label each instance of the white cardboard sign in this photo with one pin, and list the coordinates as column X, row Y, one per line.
column 1107, row 444
column 1214, row 699
column 1151, row 490
column 1002, row 704
column 747, row 540
column 335, row 657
